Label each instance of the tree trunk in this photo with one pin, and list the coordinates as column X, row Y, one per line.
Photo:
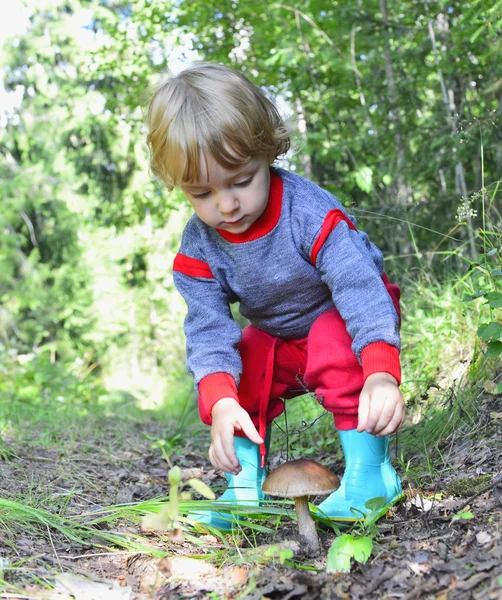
column 452, row 117
column 403, row 191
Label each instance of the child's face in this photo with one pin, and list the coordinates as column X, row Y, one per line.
column 230, row 199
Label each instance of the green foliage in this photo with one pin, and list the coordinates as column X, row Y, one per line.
column 462, row 515
column 344, row 549
column 167, row 518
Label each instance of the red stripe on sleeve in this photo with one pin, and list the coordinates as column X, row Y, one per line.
column 330, row 222
column 214, row 387
column 192, row 267
column 380, row 357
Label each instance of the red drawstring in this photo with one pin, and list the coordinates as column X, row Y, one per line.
column 265, row 396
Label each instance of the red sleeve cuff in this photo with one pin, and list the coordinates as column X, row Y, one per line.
column 214, row 387
column 380, row 357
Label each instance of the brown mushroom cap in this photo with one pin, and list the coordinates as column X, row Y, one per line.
column 300, row 478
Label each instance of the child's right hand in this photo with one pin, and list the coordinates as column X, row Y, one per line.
column 228, row 417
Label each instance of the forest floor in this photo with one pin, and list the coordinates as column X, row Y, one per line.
column 444, row 542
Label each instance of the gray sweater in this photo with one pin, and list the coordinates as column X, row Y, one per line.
column 302, row 257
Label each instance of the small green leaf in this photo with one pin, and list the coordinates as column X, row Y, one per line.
column 362, row 549
column 492, row 252
column 494, row 349
column 497, row 273
column 346, row 547
column 500, row 387
column 286, row 554
column 473, row 296
column 339, row 554
column 490, row 331
column 387, row 179
column 463, row 514
column 376, row 503
column 203, row 489
column 496, row 302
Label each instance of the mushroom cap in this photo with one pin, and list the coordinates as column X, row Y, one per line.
column 300, row 478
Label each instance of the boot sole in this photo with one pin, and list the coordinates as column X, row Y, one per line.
column 381, row 513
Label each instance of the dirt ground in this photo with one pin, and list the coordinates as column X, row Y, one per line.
column 420, row 552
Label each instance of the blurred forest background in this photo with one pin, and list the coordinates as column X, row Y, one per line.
column 395, row 108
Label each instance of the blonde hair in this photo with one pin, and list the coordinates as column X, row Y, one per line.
column 210, row 109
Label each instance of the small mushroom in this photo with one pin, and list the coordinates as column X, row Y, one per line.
column 300, row 479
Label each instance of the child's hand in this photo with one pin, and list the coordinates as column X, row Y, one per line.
column 381, row 405
column 229, row 416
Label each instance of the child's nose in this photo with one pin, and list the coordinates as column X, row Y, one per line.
column 227, row 202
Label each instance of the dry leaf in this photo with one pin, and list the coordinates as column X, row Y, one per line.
column 495, row 415
column 417, row 568
column 239, row 575
column 76, row 587
column 176, row 535
column 186, row 568
column 483, row 537
column 421, row 503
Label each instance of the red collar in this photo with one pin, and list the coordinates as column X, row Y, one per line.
column 267, row 221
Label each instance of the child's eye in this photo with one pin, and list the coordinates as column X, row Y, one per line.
column 244, row 183
column 201, row 195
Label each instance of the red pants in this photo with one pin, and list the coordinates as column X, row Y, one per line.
column 324, row 363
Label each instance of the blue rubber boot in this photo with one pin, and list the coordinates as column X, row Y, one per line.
column 368, row 474
column 243, row 489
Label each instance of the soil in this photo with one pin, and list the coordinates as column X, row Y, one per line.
column 421, row 551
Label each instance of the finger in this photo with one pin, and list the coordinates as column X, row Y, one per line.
column 227, row 444
column 386, row 416
column 403, row 417
column 374, row 414
column 363, row 411
column 211, row 456
column 221, row 459
column 249, row 429
column 394, row 423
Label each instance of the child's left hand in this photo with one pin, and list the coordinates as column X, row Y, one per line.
column 381, row 405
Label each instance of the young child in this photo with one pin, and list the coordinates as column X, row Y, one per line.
column 323, row 314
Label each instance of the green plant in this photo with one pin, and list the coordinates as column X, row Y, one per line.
column 167, row 519
column 357, row 544
column 463, row 514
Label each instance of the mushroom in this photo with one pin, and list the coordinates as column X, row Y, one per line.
column 299, row 479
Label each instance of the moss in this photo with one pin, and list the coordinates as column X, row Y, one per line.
column 467, row 486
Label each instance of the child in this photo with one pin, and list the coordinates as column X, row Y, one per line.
column 323, row 314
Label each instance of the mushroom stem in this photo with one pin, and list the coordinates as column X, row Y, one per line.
column 306, row 526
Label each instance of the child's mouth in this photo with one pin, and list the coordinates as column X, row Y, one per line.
column 233, row 223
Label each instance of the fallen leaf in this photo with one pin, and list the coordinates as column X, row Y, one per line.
column 76, row 587
column 176, row 535
column 490, row 387
column 417, row 568
column 483, row 537
column 423, row 504
column 186, row 568
column 239, row 575
column 495, row 415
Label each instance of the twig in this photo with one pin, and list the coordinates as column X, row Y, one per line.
column 104, row 554
column 53, row 547
column 31, row 229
